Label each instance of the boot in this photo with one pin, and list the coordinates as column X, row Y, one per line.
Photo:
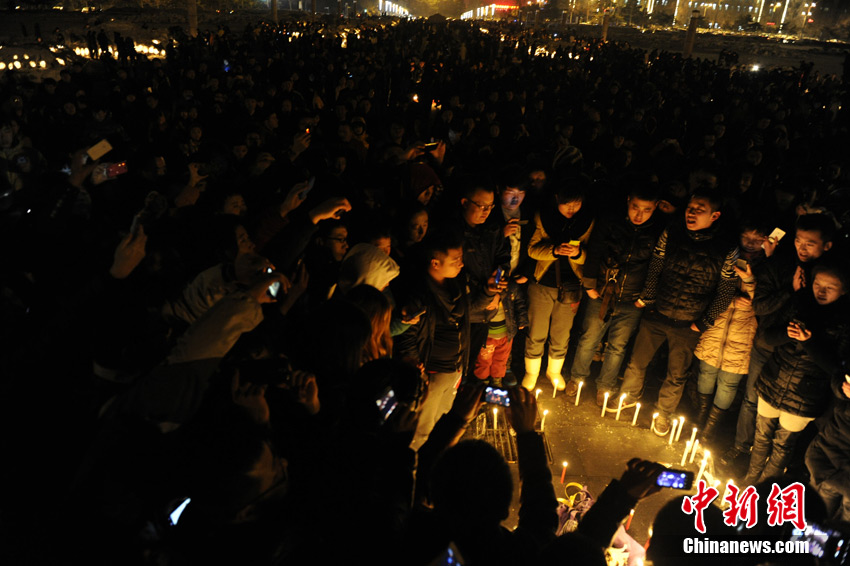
column 783, row 448
column 704, row 403
column 532, row 370
column 762, row 446
column 709, row 429
column 553, row 372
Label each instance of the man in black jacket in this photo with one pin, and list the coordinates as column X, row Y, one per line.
column 485, row 250
column 691, row 281
column 614, row 274
column 439, row 341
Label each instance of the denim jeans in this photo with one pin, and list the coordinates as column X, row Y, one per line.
column 550, row 319
column 622, row 323
column 746, row 427
column 725, row 382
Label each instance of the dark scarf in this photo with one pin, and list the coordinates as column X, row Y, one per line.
column 561, row 229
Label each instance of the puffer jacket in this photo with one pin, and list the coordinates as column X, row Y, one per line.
column 797, row 377
column 618, row 249
column 693, row 264
column 728, row 343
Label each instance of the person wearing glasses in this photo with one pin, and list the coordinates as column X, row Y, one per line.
column 486, row 253
column 324, row 258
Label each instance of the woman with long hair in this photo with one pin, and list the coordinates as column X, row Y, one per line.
column 379, row 312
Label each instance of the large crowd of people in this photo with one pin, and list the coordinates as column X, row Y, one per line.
column 279, row 288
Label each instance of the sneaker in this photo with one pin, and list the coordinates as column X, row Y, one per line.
column 496, row 382
column 662, row 425
column 571, row 389
column 509, row 380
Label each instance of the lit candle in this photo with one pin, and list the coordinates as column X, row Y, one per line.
column 681, row 426
column 620, row 406
column 702, row 465
column 693, row 435
column 605, row 405
column 537, row 394
column 543, row 420
column 693, row 451
column 564, row 471
column 652, row 424
column 629, row 522
column 578, row 394
column 554, row 391
column 672, row 432
column 495, row 418
column 634, row 418
column 685, row 453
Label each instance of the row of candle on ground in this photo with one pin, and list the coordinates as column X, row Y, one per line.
column 496, row 419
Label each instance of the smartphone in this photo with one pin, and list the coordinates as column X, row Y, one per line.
column 387, row 403
column 522, row 222
column 499, row 273
column 575, row 243
column 116, row 169
column 800, row 324
column 776, row 235
column 306, row 191
column 175, row 515
column 449, row 557
column 420, row 313
column 98, row 150
column 273, row 289
column 497, row 396
column 675, row 479
column 430, row 146
column 831, row 545
column 741, row 263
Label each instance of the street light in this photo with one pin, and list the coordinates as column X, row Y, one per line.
column 807, row 12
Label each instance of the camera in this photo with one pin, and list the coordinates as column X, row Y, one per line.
column 497, row 396
column 830, row 545
column 675, row 479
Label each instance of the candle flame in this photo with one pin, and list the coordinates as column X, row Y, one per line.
column 564, row 464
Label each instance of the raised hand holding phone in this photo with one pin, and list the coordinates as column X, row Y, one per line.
column 130, row 251
column 296, row 196
column 522, row 413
